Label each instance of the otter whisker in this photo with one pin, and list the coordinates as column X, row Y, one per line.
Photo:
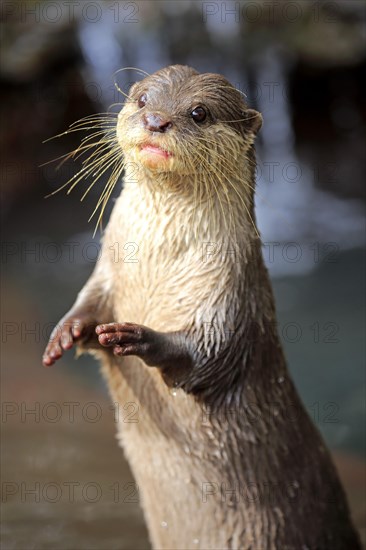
column 117, row 171
column 214, row 184
column 102, row 170
column 143, row 73
column 100, row 146
column 77, row 153
column 243, row 119
column 88, row 169
column 110, row 183
column 232, row 186
column 66, row 157
column 84, row 124
column 223, row 160
column 197, row 192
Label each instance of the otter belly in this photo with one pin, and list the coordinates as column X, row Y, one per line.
column 179, row 463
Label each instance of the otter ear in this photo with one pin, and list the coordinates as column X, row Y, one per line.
column 253, row 120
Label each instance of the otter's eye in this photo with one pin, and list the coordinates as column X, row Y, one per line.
column 142, row 100
column 199, row 114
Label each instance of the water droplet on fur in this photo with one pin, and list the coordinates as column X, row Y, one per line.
column 164, row 524
column 280, row 380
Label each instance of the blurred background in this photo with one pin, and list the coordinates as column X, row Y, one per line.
column 65, row 483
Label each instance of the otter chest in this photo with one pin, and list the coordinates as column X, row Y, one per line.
column 161, row 276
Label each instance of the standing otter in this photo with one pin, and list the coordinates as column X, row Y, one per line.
column 224, row 454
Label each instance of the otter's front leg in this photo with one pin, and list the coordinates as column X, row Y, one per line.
column 78, row 325
column 159, row 349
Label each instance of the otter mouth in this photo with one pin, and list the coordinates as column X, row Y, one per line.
column 155, row 151
column 155, row 157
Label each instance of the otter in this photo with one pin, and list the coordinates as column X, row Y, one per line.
column 224, row 453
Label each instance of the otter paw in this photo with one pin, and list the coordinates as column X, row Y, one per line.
column 64, row 335
column 128, row 339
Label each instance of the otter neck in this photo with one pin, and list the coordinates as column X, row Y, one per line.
column 206, row 206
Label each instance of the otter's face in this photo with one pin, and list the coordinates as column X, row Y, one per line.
column 182, row 122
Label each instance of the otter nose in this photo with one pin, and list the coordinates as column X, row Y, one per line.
column 156, row 123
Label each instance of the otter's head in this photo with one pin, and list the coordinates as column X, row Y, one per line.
column 176, row 125
column 180, row 122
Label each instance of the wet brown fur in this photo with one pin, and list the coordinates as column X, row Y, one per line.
column 224, row 454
